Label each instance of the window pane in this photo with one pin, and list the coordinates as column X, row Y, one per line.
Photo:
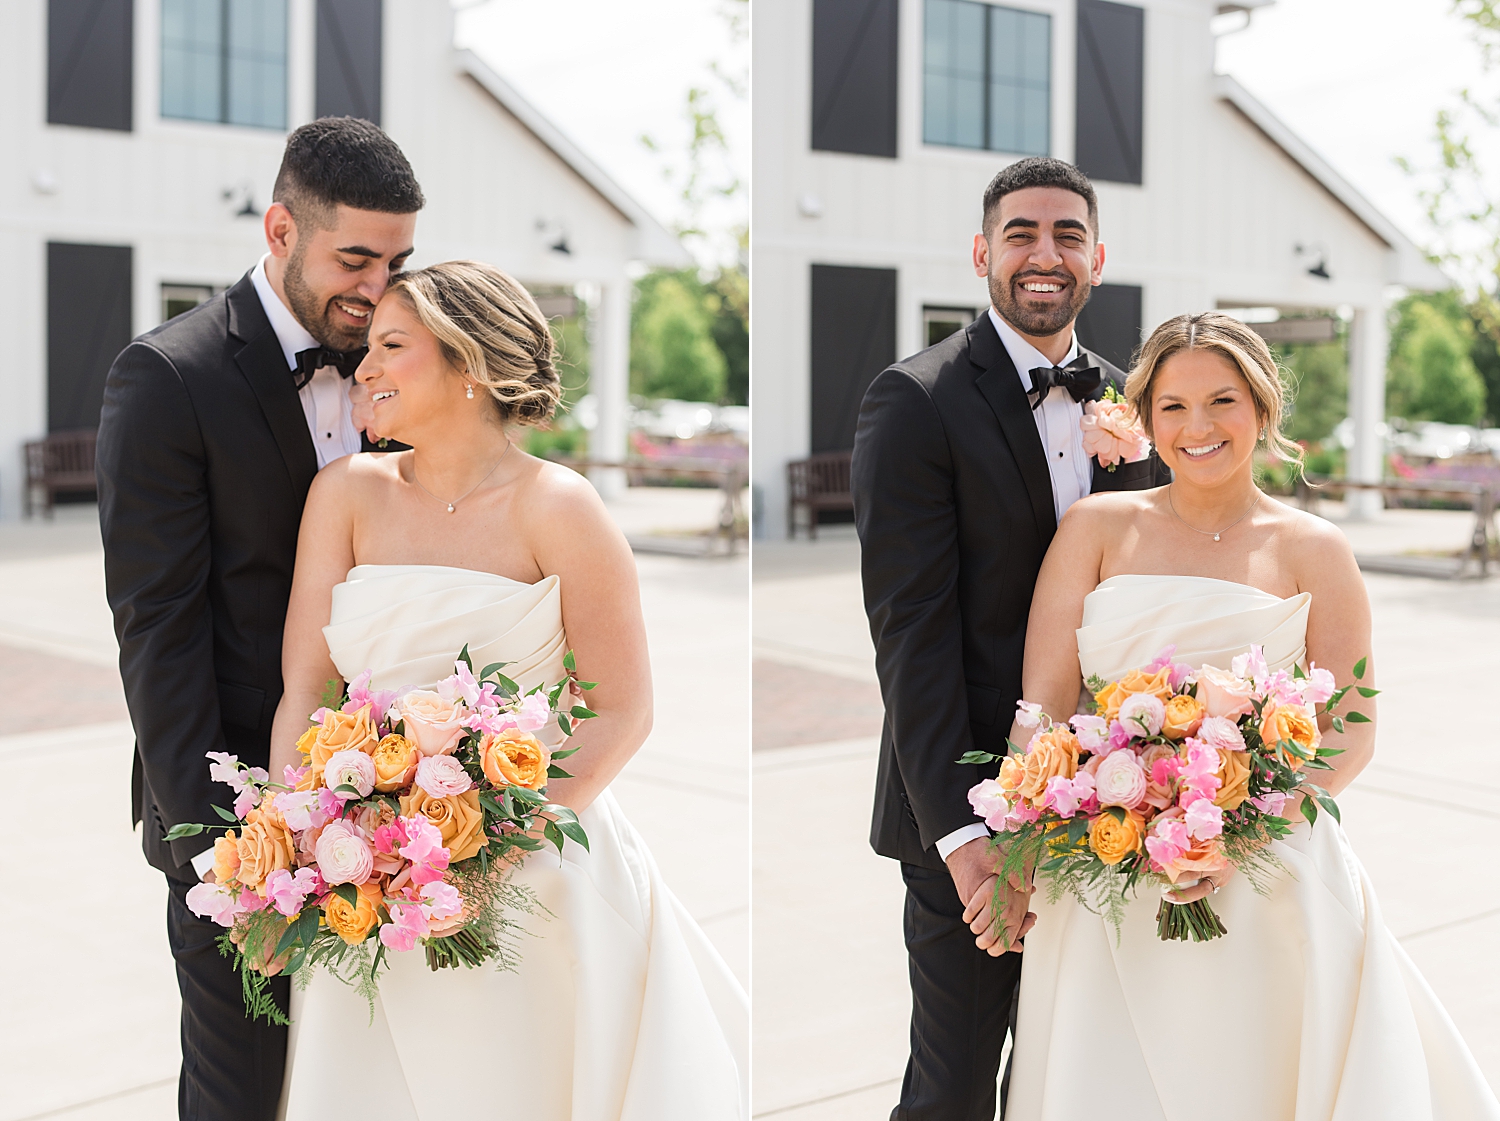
column 257, row 63
column 1020, row 81
column 192, row 43
column 953, row 61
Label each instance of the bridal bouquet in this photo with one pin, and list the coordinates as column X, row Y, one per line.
column 396, row 830
column 1177, row 773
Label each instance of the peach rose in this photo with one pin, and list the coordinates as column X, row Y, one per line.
column 1158, row 684
column 265, row 846
column 1011, row 774
column 431, row 722
column 514, row 758
column 1157, row 794
column 395, row 758
column 353, row 924
column 457, row 817
column 1113, row 840
column 1204, row 857
column 1292, row 722
column 1184, row 714
column 226, row 858
column 1223, row 694
column 1234, row 779
column 340, row 731
column 1050, row 754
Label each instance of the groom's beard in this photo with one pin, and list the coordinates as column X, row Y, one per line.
column 317, row 315
column 1040, row 321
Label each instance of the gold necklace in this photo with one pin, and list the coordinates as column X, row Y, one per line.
column 452, row 506
column 1214, row 533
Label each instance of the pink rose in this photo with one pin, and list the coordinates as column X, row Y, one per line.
column 1121, row 780
column 433, row 723
column 1113, row 434
column 1223, row 694
column 442, row 776
column 343, row 856
column 1221, row 733
column 989, row 802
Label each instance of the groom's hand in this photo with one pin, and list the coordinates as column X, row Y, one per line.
column 972, row 866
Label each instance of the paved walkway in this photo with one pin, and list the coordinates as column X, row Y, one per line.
column 831, row 998
column 90, row 1031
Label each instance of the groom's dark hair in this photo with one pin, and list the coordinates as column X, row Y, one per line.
column 1038, row 171
column 344, row 160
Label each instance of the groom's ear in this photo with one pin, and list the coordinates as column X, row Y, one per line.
column 281, row 230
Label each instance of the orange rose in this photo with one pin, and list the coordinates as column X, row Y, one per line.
column 265, row 846
column 457, row 817
column 1112, row 839
column 1292, row 722
column 514, row 758
column 1112, row 696
column 340, row 731
column 226, row 858
column 1234, row 779
column 395, row 758
column 1011, row 774
column 1184, row 714
column 1049, row 754
column 353, row 924
column 1204, row 857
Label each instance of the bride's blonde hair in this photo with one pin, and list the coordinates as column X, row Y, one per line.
column 1225, row 335
column 491, row 328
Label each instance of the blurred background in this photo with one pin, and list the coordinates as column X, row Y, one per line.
column 595, row 149
column 1327, row 171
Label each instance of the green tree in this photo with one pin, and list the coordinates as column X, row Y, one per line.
column 1431, row 375
column 731, row 329
column 1319, row 388
column 672, row 348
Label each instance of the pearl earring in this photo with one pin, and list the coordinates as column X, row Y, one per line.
column 468, row 391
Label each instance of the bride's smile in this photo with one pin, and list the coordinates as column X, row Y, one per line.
column 1205, row 424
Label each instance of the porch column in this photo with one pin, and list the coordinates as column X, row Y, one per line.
column 609, row 374
column 1368, row 343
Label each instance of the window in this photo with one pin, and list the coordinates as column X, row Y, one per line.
column 89, row 72
column 987, row 77
column 938, row 323
column 853, row 337
column 854, row 76
column 178, row 298
column 224, row 61
column 1110, row 105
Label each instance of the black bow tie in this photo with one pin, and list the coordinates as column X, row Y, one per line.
column 313, row 359
column 1077, row 377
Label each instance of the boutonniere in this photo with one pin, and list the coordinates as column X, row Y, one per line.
column 1112, row 433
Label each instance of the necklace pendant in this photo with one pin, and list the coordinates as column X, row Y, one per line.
column 450, row 510
column 1216, row 536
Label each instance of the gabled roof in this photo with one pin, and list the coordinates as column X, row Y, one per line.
column 654, row 245
column 1412, row 267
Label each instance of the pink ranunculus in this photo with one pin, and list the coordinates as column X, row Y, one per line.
column 424, row 848
column 1223, row 694
column 1204, row 819
column 408, row 923
column 288, row 892
column 1092, row 732
column 1112, row 433
column 344, row 857
column 434, row 723
column 442, row 776
column 441, row 901
column 1221, row 733
column 989, row 802
column 1120, row 780
column 1143, row 714
column 350, row 768
column 1272, row 802
column 215, row 902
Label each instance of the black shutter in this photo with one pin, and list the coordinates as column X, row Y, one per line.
column 854, row 76
column 1111, row 98
column 853, row 334
column 1110, row 323
column 88, row 324
column 89, row 63
column 348, row 64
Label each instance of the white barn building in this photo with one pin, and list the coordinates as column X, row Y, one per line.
column 142, row 138
column 878, row 124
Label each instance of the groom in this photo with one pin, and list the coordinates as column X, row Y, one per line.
column 214, row 425
column 966, row 457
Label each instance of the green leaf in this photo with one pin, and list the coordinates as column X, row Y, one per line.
column 225, row 814
column 1338, row 724
column 1366, row 691
column 555, row 692
column 1328, row 752
column 581, row 713
column 1357, row 718
column 288, row 940
column 564, row 723
column 345, row 788
column 564, row 753
column 1310, row 808
column 1359, row 669
column 507, row 686
column 568, row 663
column 348, row 893
column 974, row 757
column 554, row 771
column 186, row 829
column 463, row 656
column 296, row 963
column 586, row 685
column 307, row 923
column 575, row 831
column 555, row 835
column 1331, row 806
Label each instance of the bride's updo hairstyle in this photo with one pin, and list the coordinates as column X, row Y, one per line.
column 490, row 327
column 1246, row 351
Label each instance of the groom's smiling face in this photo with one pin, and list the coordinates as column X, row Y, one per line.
column 1041, row 257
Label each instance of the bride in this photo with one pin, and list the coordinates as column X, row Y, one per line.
column 620, row 1008
column 1308, row 1008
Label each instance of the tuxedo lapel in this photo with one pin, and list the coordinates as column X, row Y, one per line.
column 262, row 364
column 1000, row 385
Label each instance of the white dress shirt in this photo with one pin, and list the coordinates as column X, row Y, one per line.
column 325, row 404
column 1058, row 423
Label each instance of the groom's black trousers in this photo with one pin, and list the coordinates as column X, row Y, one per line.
column 231, row 1066
column 961, row 1005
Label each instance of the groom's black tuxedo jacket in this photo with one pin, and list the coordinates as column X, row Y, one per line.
column 204, row 462
column 953, row 502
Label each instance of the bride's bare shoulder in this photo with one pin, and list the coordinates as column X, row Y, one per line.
column 1314, row 549
column 355, row 478
column 1107, row 511
column 556, row 500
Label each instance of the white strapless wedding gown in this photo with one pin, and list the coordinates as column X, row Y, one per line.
column 1308, row 1009
column 620, row 1010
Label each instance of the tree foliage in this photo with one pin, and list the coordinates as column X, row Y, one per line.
column 676, row 327
column 1432, row 375
column 1319, row 385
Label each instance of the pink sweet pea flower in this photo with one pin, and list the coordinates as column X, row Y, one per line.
column 1022, row 813
column 291, row 775
column 1251, row 665
column 1167, row 841
column 409, row 923
column 1180, row 671
column 388, row 838
column 534, row 713
column 360, row 694
column 225, row 768
column 247, row 800
column 1272, row 802
column 1280, row 688
column 989, row 802
column 214, row 901
column 1199, row 777
column 424, row 848
column 1065, row 795
column 441, row 901
column 287, row 892
column 300, row 809
column 1029, row 714
column 1204, row 819
column 1317, row 687
column 330, row 805
column 1092, row 732
column 1119, row 735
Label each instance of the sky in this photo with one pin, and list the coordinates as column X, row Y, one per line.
column 607, row 71
column 1361, row 81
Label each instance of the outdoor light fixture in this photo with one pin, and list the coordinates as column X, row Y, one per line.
column 246, row 194
column 1319, row 257
column 554, row 234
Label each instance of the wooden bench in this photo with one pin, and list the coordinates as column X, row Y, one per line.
column 819, row 482
column 63, row 463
